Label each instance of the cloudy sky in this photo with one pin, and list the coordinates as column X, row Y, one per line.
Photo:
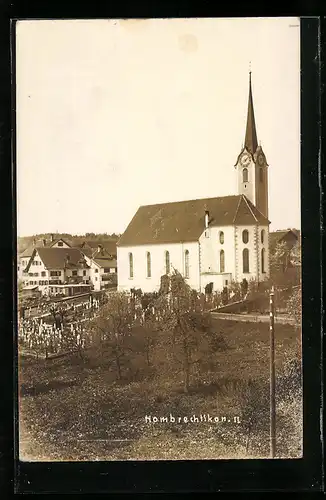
column 116, row 114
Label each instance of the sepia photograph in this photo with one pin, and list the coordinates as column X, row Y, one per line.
column 158, row 239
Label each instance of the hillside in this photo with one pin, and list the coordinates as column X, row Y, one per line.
column 24, row 242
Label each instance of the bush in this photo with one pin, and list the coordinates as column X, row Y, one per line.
column 294, row 306
column 289, row 407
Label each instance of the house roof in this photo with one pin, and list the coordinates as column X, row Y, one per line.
column 282, row 235
column 103, row 253
column 183, row 221
column 107, row 244
column 56, row 258
column 106, row 262
column 90, row 247
column 95, row 254
column 28, row 252
column 86, row 251
column 56, row 241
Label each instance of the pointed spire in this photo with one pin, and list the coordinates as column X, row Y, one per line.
column 251, row 135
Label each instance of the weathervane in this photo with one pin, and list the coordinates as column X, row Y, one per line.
column 249, row 67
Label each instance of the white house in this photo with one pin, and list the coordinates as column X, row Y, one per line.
column 50, row 268
column 24, row 258
column 214, row 240
column 103, row 267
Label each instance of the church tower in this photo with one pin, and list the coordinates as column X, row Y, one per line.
column 251, row 166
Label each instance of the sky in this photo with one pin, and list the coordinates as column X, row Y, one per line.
column 115, row 114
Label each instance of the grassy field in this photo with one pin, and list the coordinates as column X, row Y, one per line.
column 77, row 410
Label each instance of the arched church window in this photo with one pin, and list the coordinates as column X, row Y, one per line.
column 261, row 175
column 222, row 261
column 263, row 260
column 245, row 236
column 149, row 264
column 262, row 236
column 221, row 237
column 187, row 264
column 245, row 260
column 131, row 265
column 167, row 262
column 245, row 175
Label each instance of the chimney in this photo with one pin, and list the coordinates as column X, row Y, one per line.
column 52, row 238
column 67, row 258
column 34, row 242
column 206, row 218
column 44, row 243
column 99, row 248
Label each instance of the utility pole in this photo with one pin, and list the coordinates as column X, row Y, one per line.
column 272, row 373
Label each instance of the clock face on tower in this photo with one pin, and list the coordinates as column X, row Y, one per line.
column 245, row 160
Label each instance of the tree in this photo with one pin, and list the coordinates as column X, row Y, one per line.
column 295, row 255
column 188, row 329
column 294, row 306
column 285, row 262
column 113, row 330
column 145, row 334
column 280, row 258
column 62, row 312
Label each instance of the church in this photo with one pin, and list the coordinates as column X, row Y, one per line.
column 212, row 241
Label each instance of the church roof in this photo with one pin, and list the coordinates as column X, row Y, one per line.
column 184, row 221
column 251, row 142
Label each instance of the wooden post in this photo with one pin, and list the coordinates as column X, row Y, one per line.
column 272, row 374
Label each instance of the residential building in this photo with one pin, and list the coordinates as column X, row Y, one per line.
column 50, row 267
column 24, row 257
column 103, row 267
column 291, row 237
column 59, row 243
column 289, row 255
column 91, row 247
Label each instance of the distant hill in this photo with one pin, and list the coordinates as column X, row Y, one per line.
column 24, row 242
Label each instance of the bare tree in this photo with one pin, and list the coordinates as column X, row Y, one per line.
column 113, row 330
column 188, row 328
column 145, row 334
column 294, row 306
